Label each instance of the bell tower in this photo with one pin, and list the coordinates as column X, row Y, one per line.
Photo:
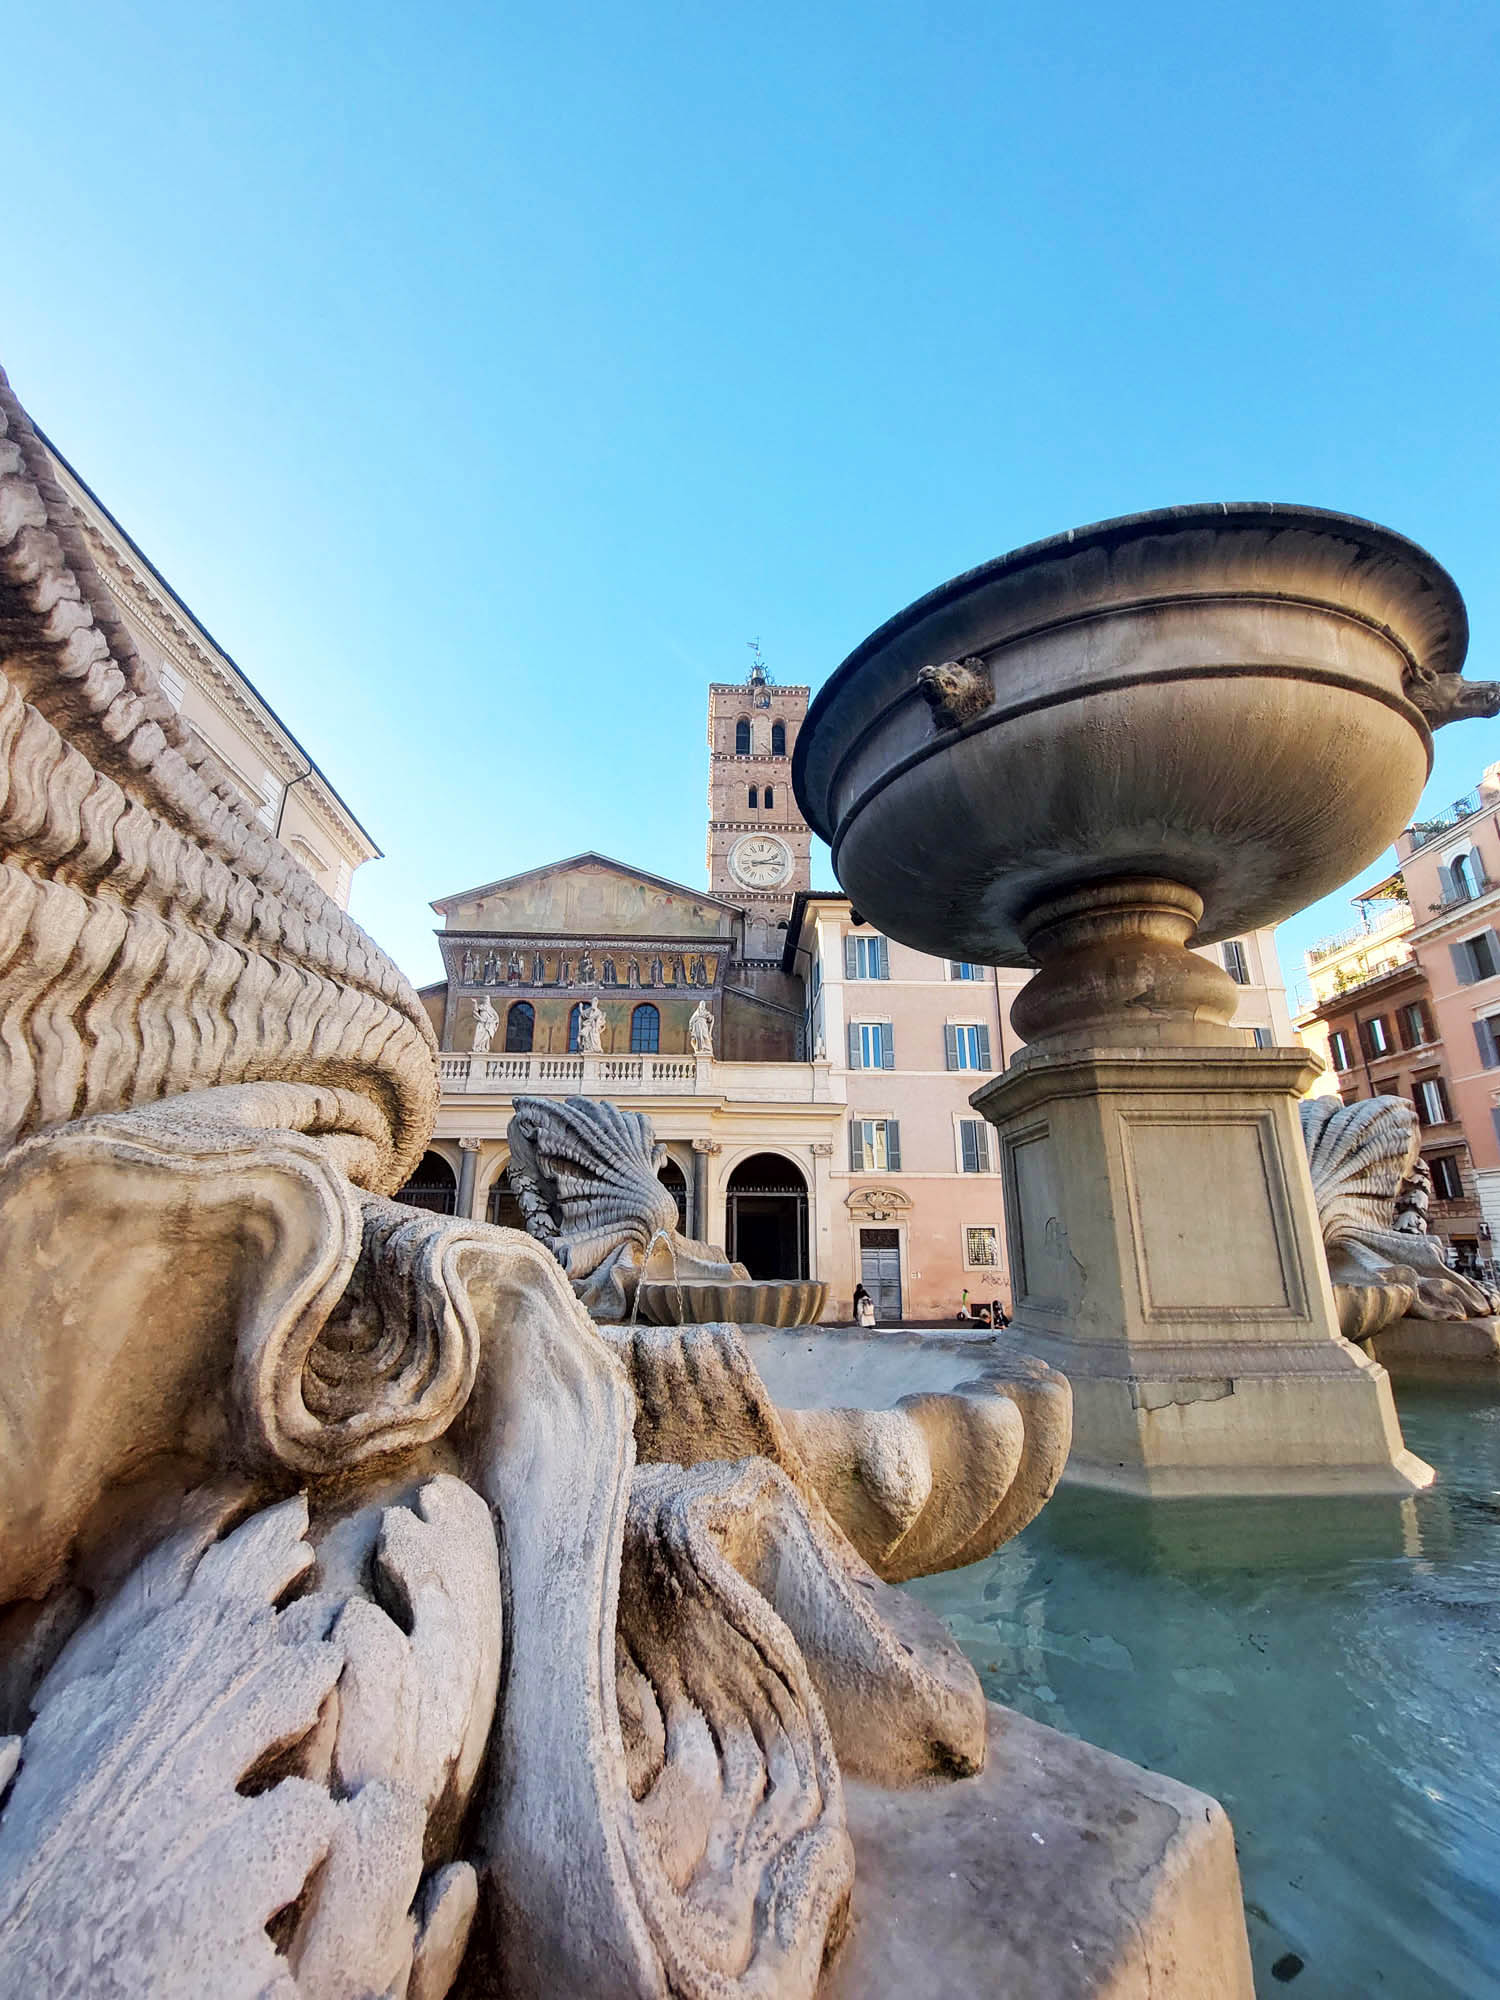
column 759, row 846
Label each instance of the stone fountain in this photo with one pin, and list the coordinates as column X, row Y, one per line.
column 1085, row 757
column 586, row 1176
column 372, row 1620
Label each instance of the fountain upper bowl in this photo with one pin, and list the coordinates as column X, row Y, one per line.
column 1220, row 696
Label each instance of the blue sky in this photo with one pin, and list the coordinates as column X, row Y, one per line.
column 485, row 377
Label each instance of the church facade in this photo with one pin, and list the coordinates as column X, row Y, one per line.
column 808, row 1078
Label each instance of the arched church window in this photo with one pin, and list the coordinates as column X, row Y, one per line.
column 520, row 1028
column 770, row 795
column 645, row 1031
column 754, row 797
column 575, row 1013
column 778, row 739
column 742, row 737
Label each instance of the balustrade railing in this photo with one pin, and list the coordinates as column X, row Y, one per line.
column 623, row 1076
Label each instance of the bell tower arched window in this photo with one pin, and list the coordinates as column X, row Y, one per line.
column 742, row 737
column 778, row 739
column 645, row 1031
column 520, row 1027
column 575, row 1013
column 754, row 797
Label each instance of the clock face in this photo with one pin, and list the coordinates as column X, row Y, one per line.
column 760, row 861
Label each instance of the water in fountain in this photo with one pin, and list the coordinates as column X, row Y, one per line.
column 1329, row 1669
column 658, row 1236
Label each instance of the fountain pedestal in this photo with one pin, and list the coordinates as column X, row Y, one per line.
column 1165, row 1247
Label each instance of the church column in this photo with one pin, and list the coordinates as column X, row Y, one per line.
column 698, row 1192
column 468, row 1166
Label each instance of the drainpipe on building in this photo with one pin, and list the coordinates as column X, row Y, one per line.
column 286, row 792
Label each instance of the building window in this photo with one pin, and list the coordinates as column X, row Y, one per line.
column 1463, row 878
column 574, row 1013
column 1415, row 1029
column 1487, row 1034
column 1378, row 1037
column 966, row 1045
column 1233, row 955
column 1261, row 1037
column 1476, row 957
column 520, row 1028
column 742, row 737
column 982, row 1249
column 645, row 1031
column 778, row 739
column 871, row 1045
column 973, row 1146
column 1338, row 1049
column 874, row 1146
column 770, row 795
column 866, row 958
column 1431, row 1099
column 754, row 797
column 1447, row 1181
column 960, row 968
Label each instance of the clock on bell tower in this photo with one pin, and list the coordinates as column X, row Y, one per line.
column 759, row 846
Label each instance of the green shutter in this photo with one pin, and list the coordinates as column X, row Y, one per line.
column 856, row 1147
column 854, row 1051
column 887, row 1047
column 984, row 1046
column 893, row 1144
column 850, row 968
column 950, row 1046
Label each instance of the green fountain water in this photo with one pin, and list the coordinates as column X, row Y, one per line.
column 1330, row 1670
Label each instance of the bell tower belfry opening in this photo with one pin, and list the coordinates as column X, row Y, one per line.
column 759, row 845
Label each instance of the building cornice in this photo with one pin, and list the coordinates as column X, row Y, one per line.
column 225, row 689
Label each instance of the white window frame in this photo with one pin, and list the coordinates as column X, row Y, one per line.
column 860, row 1031
column 866, row 1120
column 1338, row 1044
column 979, row 1031
column 857, row 947
column 989, row 1229
column 964, row 972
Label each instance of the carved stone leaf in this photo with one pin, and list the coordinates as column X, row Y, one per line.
column 130, row 1862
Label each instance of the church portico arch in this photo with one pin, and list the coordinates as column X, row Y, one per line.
column 766, row 1197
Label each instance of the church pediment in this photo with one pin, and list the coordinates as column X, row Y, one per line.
column 588, row 896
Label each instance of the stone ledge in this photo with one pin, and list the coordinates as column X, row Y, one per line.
column 1060, row 1873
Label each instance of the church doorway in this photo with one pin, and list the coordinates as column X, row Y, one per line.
column 766, row 1217
column 431, row 1186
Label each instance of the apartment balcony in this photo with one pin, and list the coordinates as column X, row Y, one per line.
column 1424, row 832
column 1462, row 894
column 638, row 1076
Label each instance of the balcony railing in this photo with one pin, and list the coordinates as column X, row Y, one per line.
column 1424, row 831
column 637, row 1076
column 1462, row 894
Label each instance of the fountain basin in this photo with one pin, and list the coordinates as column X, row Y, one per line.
column 745, row 1302
column 1236, row 698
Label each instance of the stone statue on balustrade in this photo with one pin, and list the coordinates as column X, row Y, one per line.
column 486, row 1024
column 701, row 1029
column 591, row 1028
column 1372, row 1187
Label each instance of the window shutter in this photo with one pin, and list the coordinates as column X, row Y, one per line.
column 893, row 1144
column 968, row 1146
column 854, row 1049
column 1495, row 1120
column 856, row 1147
column 1463, row 964
column 1484, row 1034
column 850, row 967
column 1419, row 1102
column 950, row 1047
column 1447, row 887
column 883, row 957
column 982, row 1144
column 1494, row 944
column 984, row 1046
column 887, row 1046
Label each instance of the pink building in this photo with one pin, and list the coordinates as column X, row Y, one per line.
column 1452, row 868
